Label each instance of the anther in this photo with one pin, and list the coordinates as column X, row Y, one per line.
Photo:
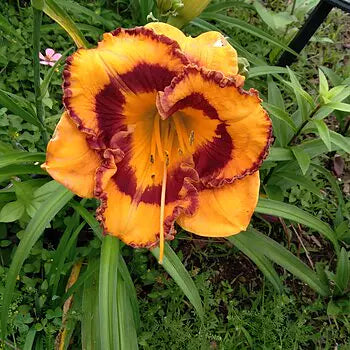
column 166, row 158
column 191, row 137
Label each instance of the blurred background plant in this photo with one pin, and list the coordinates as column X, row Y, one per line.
column 282, row 284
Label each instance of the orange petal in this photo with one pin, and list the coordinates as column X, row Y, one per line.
column 70, row 161
column 131, row 200
column 127, row 62
column 242, row 127
column 135, row 220
column 210, row 50
column 224, row 211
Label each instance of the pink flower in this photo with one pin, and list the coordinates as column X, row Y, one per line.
column 50, row 57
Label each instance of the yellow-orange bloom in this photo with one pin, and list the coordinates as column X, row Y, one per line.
column 159, row 129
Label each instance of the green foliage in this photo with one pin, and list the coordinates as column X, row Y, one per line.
column 121, row 298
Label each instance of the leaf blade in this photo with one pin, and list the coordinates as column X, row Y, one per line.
column 291, row 212
column 34, row 229
column 283, row 257
column 178, row 272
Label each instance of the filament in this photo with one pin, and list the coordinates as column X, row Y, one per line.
column 162, row 209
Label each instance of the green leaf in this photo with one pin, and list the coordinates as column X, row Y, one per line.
column 302, row 158
column 299, row 180
column 247, row 245
column 21, row 157
column 323, row 131
column 88, row 217
column 7, row 28
column 224, row 5
column 178, row 272
column 12, row 211
column 335, row 186
column 90, row 325
column 28, row 345
column 332, row 76
column 342, row 275
column 338, row 92
column 280, row 114
column 127, row 330
column 302, row 97
column 234, row 22
column 63, row 255
column 283, row 257
column 79, row 10
column 145, row 8
column 33, row 231
column 300, row 93
column 16, row 170
column 340, row 141
column 278, row 21
column 123, row 270
column 264, row 70
column 77, row 285
column 279, row 154
column 108, row 281
column 291, row 212
column 323, row 83
column 131, row 291
column 340, row 106
column 59, row 15
column 54, row 273
column 13, row 107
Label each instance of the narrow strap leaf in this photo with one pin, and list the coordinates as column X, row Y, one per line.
column 59, row 15
column 247, row 245
column 127, row 329
column 13, row 107
column 35, row 228
column 21, row 157
column 90, row 321
column 291, row 212
column 178, row 272
column 283, row 257
column 131, row 291
column 108, row 312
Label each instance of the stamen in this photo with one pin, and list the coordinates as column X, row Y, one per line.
column 161, row 221
column 181, row 131
column 191, row 139
column 153, row 145
column 170, row 140
column 156, row 130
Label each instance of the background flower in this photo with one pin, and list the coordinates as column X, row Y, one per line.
column 50, row 57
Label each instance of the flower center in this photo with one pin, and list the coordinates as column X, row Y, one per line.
column 163, row 139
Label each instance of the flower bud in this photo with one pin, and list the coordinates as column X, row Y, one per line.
column 169, row 6
column 191, row 9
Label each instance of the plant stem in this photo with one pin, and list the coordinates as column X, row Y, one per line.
column 37, row 16
column 303, row 124
column 293, row 7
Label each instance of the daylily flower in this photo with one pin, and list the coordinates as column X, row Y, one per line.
column 50, row 57
column 159, row 129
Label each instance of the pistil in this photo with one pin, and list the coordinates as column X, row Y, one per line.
column 162, row 210
column 162, row 143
